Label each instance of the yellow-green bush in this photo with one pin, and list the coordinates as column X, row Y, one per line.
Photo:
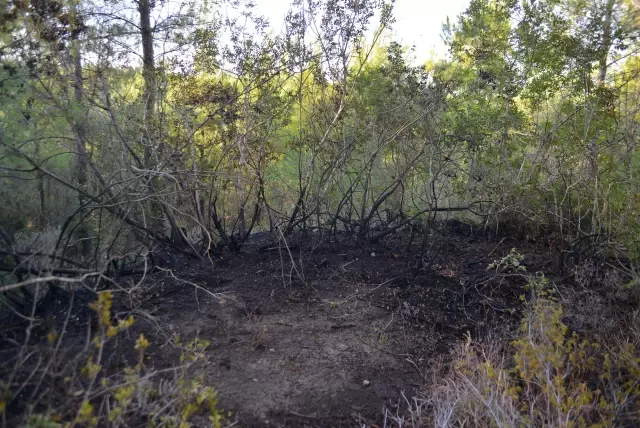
column 549, row 377
column 177, row 398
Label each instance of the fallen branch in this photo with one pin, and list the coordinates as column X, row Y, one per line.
column 340, row 326
column 49, row 279
column 64, row 271
column 392, row 229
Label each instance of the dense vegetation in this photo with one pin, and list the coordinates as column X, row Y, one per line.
column 133, row 130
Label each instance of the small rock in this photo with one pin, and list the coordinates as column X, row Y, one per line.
column 373, row 254
column 366, row 383
column 272, row 350
column 342, row 347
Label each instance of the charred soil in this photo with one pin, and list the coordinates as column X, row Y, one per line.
column 323, row 333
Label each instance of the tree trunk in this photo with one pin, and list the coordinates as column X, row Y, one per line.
column 157, row 208
column 606, row 41
column 148, row 72
column 242, row 222
column 42, row 215
column 80, row 130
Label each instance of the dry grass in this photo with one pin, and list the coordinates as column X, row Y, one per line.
column 549, row 376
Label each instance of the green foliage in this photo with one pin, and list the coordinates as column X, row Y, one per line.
column 512, row 262
column 517, row 116
column 551, row 377
column 118, row 399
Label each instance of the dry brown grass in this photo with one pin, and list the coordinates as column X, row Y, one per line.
column 548, row 376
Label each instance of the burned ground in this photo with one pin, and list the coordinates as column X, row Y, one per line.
column 323, row 335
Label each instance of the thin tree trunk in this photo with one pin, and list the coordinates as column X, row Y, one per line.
column 80, row 125
column 42, row 215
column 242, row 224
column 606, row 41
column 158, row 207
column 149, row 73
column 197, row 200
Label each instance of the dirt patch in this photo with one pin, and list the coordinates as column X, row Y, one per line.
column 323, row 335
column 340, row 333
